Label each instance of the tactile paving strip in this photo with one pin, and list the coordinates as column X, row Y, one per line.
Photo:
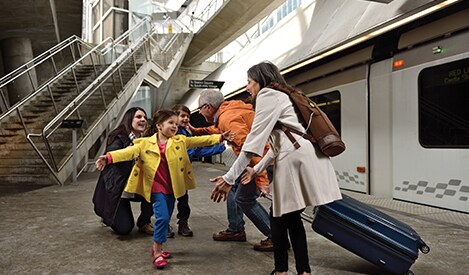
column 414, row 210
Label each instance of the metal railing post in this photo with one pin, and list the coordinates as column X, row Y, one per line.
column 22, row 122
column 75, row 80
column 54, row 65
column 135, row 63
column 73, row 53
column 31, row 80
column 4, row 102
column 52, row 97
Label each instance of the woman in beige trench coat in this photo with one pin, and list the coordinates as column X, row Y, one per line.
column 302, row 177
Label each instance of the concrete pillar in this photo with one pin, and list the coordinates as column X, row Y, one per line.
column 16, row 52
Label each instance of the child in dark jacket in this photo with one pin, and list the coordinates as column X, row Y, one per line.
column 183, row 207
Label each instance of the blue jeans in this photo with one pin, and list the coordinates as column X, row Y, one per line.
column 163, row 206
column 242, row 198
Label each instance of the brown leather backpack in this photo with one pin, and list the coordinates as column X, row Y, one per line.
column 318, row 126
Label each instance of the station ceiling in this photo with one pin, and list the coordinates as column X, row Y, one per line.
column 35, row 19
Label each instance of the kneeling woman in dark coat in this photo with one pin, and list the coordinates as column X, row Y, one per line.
column 110, row 201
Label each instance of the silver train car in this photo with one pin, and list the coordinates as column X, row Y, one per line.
column 398, row 95
column 401, row 104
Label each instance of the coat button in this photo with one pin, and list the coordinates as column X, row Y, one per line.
column 180, row 158
column 182, row 169
column 135, row 173
column 189, row 172
column 177, row 147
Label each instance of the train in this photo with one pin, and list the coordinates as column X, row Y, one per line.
column 400, row 102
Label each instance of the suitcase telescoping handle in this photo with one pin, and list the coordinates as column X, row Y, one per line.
column 304, row 216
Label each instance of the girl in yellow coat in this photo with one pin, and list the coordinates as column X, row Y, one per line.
column 163, row 171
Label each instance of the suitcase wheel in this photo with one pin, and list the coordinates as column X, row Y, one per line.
column 424, row 248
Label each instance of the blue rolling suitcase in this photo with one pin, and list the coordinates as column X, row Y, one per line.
column 370, row 234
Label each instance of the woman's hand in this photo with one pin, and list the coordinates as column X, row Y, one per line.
column 221, row 190
column 228, row 135
column 248, row 175
column 101, row 163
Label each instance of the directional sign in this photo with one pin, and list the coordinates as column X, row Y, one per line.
column 72, row 123
column 205, row 84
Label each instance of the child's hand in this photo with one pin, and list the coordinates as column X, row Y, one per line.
column 228, row 135
column 189, row 128
column 101, row 163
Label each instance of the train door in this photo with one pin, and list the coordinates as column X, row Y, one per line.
column 430, row 123
column 343, row 95
column 380, row 128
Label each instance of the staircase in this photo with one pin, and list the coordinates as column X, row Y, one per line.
column 34, row 150
column 19, row 163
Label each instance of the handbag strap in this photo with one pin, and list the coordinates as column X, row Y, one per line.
column 289, row 130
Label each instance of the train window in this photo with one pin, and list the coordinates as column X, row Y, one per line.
column 443, row 105
column 330, row 104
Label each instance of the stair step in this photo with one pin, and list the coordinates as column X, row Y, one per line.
column 6, row 133
column 15, row 139
column 36, row 179
column 30, row 116
column 21, row 161
column 21, row 154
column 26, row 146
column 16, row 126
column 21, row 170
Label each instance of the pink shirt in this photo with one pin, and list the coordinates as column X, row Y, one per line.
column 162, row 180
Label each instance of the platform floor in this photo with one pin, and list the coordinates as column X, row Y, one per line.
column 53, row 230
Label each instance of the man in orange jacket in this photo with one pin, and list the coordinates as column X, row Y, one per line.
column 237, row 117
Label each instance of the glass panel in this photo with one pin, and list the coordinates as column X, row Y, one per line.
column 107, row 4
column 330, row 104
column 108, row 24
column 97, row 35
column 96, row 14
column 443, row 110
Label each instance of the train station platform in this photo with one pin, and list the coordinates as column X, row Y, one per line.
column 53, row 230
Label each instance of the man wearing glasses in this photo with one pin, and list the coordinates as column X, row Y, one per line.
column 237, row 117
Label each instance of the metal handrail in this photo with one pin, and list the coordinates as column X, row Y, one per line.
column 50, row 81
column 97, row 80
column 40, row 58
column 207, row 13
column 85, row 94
column 81, row 98
column 58, row 49
column 128, row 55
column 77, row 103
column 126, row 34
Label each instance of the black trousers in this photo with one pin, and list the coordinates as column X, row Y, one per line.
column 124, row 219
column 289, row 224
column 184, row 211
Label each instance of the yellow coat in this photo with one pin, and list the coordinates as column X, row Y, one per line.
column 180, row 169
